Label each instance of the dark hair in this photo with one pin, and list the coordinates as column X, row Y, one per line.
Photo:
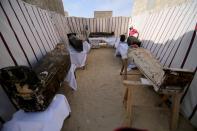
column 122, row 38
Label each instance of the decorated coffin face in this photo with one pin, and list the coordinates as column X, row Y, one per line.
column 21, row 85
column 76, row 43
column 19, row 76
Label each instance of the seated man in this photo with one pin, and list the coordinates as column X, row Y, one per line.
column 133, row 40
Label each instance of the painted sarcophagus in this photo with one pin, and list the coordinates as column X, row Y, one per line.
column 163, row 79
column 33, row 89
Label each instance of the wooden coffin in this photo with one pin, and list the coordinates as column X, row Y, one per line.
column 168, row 79
column 33, row 90
column 75, row 42
column 101, row 34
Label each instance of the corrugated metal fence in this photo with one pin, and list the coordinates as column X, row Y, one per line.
column 170, row 35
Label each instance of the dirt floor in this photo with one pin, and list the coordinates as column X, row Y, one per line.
column 97, row 104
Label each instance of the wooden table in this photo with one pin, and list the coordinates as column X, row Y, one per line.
column 167, row 81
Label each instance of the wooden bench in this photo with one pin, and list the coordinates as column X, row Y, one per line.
column 166, row 81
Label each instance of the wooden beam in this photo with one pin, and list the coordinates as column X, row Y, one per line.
column 131, row 74
column 175, row 111
column 128, row 118
column 134, row 83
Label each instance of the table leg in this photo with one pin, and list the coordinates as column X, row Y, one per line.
column 175, row 111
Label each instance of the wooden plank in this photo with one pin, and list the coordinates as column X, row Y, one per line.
column 175, row 111
column 92, row 24
column 27, row 29
column 101, row 24
column 72, row 25
column 64, row 28
column 162, row 34
column 9, row 37
column 160, row 27
column 60, row 26
column 189, row 99
column 140, row 21
column 115, row 22
column 47, row 26
column 97, row 25
column 118, row 26
column 18, row 31
column 81, row 26
column 32, row 29
column 123, row 24
column 77, row 20
column 191, row 59
column 145, row 37
column 5, row 57
column 146, row 26
column 56, row 25
column 165, row 43
column 67, row 24
column 148, row 36
column 148, row 30
column 84, row 23
column 170, row 43
column 128, row 120
column 127, row 25
column 77, row 25
column 42, row 27
column 110, row 24
column 130, row 83
column 184, row 25
column 52, row 27
column 104, row 23
column 115, row 25
column 89, row 23
column 161, row 39
column 36, row 26
column 181, row 50
column 106, row 27
column 14, row 25
column 160, row 19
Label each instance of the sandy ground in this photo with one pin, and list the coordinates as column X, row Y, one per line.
column 97, row 104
